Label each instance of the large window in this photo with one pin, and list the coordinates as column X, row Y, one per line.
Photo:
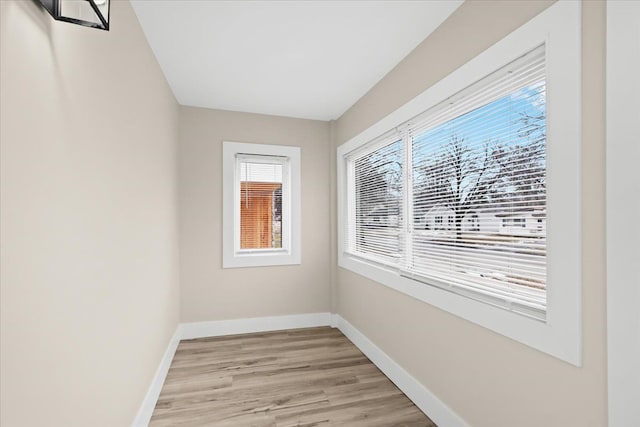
column 478, row 156
column 468, row 196
column 261, row 205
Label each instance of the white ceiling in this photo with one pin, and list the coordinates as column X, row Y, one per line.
column 308, row 59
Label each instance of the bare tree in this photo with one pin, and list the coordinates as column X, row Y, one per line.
column 464, row 176
column 521, row 181
column 378, row 185
column 458, row 179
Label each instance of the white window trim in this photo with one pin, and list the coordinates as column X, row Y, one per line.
column 623, row 209
column 232, row 255
column 559, row 27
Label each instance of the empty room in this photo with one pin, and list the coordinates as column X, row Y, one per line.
column 319, row 213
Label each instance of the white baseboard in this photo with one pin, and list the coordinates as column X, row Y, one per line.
column 149, row 403
column 335, row 318
column 428, row 403
column 424, row 399
column 219, row 328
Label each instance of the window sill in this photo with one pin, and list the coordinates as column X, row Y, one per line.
column 260, row 259
column 525, row 329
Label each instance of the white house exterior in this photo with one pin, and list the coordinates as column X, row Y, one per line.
column 523, row 221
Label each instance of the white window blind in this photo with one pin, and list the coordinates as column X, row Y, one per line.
column 377, row 206
column 456, row 197
column 261, row 187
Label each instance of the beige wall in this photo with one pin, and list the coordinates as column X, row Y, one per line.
column 89, row 291
column 488, row 379
column 210, row 292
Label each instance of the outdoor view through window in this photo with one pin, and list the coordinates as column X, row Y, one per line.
column 457, row 196
column 261, row 202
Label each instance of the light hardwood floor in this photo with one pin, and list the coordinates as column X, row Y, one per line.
column 303, row 377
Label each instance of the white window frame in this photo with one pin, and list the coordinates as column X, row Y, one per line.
column 559, row 28
column 290, row 253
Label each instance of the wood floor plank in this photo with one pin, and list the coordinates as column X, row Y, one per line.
column 311, row 377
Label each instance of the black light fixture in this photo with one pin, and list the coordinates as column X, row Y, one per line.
column 90, row 13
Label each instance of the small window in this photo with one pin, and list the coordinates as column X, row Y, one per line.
column 438, row 222
column 473, row 223
column 513, row 222
column 261, row 205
